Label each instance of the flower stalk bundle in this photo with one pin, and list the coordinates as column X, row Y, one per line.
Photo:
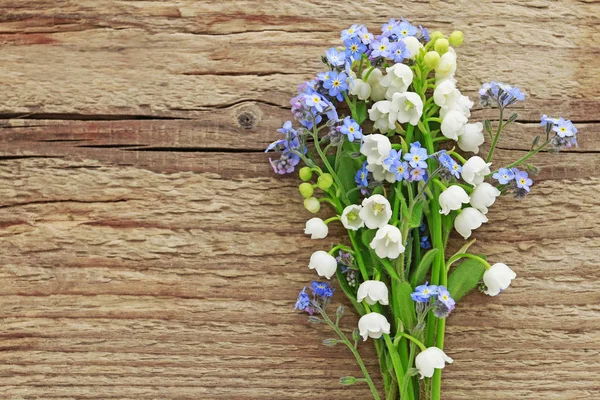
column 384, row 134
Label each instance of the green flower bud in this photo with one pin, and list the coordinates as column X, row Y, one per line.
column 441, row 45
column 347, row 380
column 432, row 59
column 330, row 342
column 325, row 181
column 305, row 174
column 457, row 38
column 312, row 205
column 435, row 36
column 306, row 190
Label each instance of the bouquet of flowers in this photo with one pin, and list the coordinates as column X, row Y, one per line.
column 378, row 132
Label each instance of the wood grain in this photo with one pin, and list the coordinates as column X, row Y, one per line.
column 150, row 253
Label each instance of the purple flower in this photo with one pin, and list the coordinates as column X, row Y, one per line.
column 564, row 128
column 322, row 289
column 449, row 164
column 316, row 101
column 417, row 156
column 353, row 31
column 303, row 301
column 545, row 120
column 405, row 29
column 417, row 174
column 382, row 48
column 354, row 48
column 425, row 243
column 504, row 175
column 522, row 180
column 443, row 295
column 361, row 176
column 351, row 129
column 335, row 57
column 400, row 52
column 388, row 29
column 499, row 94
column 424, row 33
column 366, row 37
column 424, row 292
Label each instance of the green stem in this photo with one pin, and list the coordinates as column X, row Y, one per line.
column 496, row 137
column 414, row 340
column 467, row 255
column 396, row 361
column 529, row 155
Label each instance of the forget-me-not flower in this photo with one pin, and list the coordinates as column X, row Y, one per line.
column 351, row 129
column 504, row 175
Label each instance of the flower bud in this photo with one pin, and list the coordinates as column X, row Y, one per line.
column 347, row 380
column 432, row 59
column 317, row 228
column 330, row 342
column 306, row 190
column 325, row 181
column 435, row 36
column 456, row 38
column 305, row 174
column 312, row 205
column 441, row 45
column 324, row 263
column 339, row 313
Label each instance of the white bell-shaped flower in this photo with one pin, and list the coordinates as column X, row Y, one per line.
column 376, row 211
column 373, row 292
column 475, row 170
column 430, row 359
column 453, row 124
column 470, row 218
column 383, row 116
column 360, row 88
column 388, row 242
column 413, row 45
column 484, row 196
column 374, row 81
column 324, row 263
column 446, row 94
column 452, row 199
column 351, row 217
column 407, row 107
column 498, row 278
column 376, row 148
column 398, row 79
column 381, row 173
column 316, row 228
column 447, row 66
column 373, row 325
column 471, row 137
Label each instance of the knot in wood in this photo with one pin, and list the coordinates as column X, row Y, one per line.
column 246, row 120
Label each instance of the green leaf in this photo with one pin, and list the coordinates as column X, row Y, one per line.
column 378, row 190
column 367, row 237
column 361, row 112
column 406, row 305
column 512, row 118
column 465, row 278
column 349, row 291
column 420, row 273
column 346, row 172
column 462, row 250
column 417, row 213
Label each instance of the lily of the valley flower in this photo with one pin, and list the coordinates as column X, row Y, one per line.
column 447, row 66
column 413, row 45
column 324, row 263
column 475, row 170
column 484, row 196
column 316, row 228
column 360, row 88
column 383, row 116
column 452, row 199
column 430, row 359
column 471, row 137
column 351, row 217
column 462, row 105
column 388, row 242
column 376, row 147
column 470, row 218
column 381, row 173
column 373, row 292
column 446, row 94
column 373, row 325
column 398, row 79
column 408, row 107
column 498, row 278
column 453, row 124
column 376, row 211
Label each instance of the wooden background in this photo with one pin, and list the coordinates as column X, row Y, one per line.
column 149, row 252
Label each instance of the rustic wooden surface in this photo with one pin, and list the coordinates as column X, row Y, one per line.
column 148, row 251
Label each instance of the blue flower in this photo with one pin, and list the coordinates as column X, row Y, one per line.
column 564, row 128
column 405, row 29
column 382, row 48
column 443, row 295
column 316, row 101
column 336, row 84
column 522, row 180
column 424, row 32
column 354, row 48
column 545, row 120
column 499, row 94
column 361, row 176
column 353, row 31
column 400, row 52
column 417, row 156
column 323, row 76
column 351, row 129
column 424, row 292
column 388, row 29
column 504, row 175
column 425, row 243
column 335, row 57
column 303, row 301
column 394, row 157
column 418, row 174
column 322, row 289
column 450, row 164
column 366, row 37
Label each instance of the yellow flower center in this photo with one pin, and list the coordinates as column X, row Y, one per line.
column 336, row 83
column 404, row 32
column 377, row 208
